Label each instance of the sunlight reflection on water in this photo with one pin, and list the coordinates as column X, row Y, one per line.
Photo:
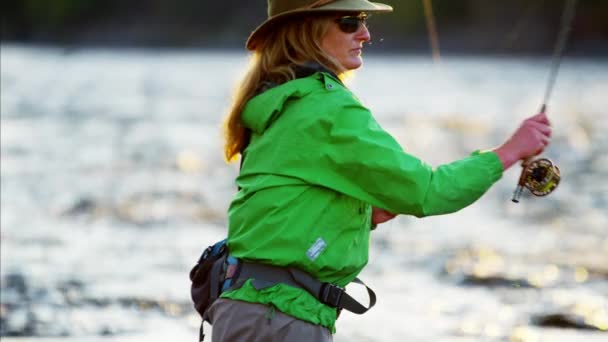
column 117, row 155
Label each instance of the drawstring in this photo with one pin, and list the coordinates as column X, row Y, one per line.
column 270, row 314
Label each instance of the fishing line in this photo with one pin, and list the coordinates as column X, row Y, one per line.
column 432, row 29
column 514, row 35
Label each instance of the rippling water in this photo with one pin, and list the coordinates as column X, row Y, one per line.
column 113, row 181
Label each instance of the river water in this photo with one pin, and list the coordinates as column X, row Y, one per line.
column 113, row 181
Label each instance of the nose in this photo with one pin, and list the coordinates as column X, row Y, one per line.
column 363, row 34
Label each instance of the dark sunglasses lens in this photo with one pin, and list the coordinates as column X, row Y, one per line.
column 350, row 24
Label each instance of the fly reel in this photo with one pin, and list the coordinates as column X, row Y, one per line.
column 540, row 176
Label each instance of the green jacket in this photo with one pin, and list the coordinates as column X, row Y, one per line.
column 316, row 164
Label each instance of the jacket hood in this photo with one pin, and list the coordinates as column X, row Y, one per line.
column 262, row 110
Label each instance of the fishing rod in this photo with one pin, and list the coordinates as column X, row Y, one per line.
column 541, row 176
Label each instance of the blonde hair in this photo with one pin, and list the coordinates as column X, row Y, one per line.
column 293, row 43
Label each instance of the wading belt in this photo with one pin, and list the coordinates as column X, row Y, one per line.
column 264, row 276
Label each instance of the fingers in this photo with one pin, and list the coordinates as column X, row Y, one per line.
column 546, row 139
column 544, row 129
column 540, row 118
column 542, row 141
column 381, row 215
column 529, row 140
column 533, row 136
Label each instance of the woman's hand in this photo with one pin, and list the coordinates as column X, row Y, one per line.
column 529, row 140
column 381, row 216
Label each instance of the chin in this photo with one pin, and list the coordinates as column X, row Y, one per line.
column 353, row 64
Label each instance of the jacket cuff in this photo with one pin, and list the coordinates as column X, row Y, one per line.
column 491, row 162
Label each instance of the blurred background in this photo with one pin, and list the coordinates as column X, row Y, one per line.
column 466, row 26
column 113, row 179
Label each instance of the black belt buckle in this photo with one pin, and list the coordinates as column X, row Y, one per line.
column 331, row 294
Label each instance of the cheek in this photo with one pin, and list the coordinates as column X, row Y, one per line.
column 340, row 50
column 334, row 44
column 329, row 46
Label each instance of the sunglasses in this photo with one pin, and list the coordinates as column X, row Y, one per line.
column 351, row 24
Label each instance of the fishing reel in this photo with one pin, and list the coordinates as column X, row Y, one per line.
column 540, row 176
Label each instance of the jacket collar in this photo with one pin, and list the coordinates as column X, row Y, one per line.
column 302, row 71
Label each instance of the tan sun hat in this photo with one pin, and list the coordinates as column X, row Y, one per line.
column 281, row 9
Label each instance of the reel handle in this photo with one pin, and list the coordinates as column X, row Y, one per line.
column 519, row 189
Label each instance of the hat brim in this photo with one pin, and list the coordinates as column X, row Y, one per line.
column 336, row 6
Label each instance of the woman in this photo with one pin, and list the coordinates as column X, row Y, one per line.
column 318, row 173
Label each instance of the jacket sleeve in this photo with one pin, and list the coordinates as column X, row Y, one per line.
column 343, row 148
